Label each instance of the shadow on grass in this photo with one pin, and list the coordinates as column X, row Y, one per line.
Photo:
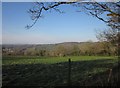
column 83, row 73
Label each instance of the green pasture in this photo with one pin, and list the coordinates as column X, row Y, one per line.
column 53, row 71
column 50, row 60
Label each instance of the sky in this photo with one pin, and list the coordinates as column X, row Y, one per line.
column 0, row 24
column 54, row 27
column 58, row 0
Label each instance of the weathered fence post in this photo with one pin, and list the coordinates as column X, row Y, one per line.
column 69, row 72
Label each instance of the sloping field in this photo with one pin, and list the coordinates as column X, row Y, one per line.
column 53, row 71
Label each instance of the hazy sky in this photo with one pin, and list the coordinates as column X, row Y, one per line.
column 71, row 26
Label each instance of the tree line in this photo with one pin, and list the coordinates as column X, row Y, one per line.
column 64, row 49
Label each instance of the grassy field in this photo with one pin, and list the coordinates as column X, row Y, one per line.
column 50, row 60
column 53, row 71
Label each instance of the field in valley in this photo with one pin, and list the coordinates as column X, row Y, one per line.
column 53, row 71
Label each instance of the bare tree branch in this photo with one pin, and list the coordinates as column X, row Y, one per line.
column 95, row 9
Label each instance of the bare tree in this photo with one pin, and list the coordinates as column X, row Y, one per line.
column 109, row 35
column 96, row 9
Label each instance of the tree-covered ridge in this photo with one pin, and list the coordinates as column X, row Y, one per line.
column 61, row 49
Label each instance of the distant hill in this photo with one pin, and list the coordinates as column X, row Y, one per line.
column 42, row 46
column 58, row 49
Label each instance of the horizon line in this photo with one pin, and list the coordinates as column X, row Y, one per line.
column 45, row 43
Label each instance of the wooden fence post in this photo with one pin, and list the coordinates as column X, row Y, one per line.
column 69, row 72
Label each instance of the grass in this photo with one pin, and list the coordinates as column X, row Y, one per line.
column 48, row 60
column 53, row 71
